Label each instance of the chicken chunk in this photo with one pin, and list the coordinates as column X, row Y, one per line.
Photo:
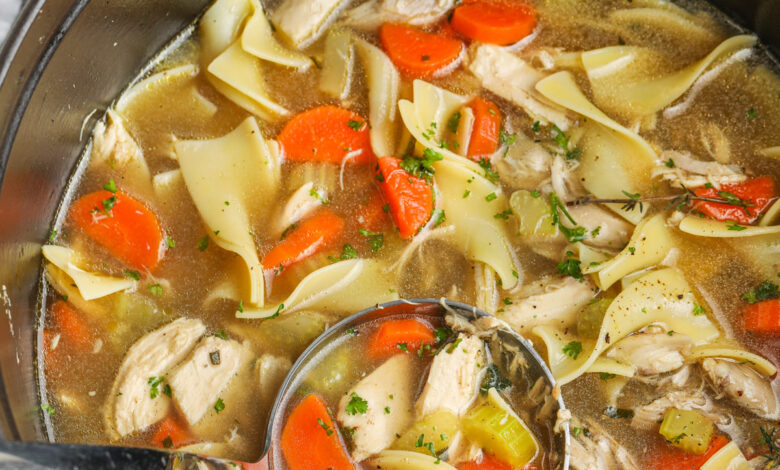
column 197, row 382
column 652, row 353
column 511, row 78
column 681, row 169
column 555, row 302
column 303, row 22
column 743, row 385
column 271, row 371
column 300, row 204
column 647, row 417
column 453, row 381
column 611, row 231
column 597, row 450
column 132, row 405
column 388, row 387
column 112, row 145
column 373, row 13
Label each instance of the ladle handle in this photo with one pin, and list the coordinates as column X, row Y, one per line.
column 70, row 456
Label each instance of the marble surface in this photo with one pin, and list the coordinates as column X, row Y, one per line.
column 8, row 10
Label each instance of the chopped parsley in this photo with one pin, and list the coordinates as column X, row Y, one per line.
column 219, row 405
column 156, row 290
column 290, row 227
column 352, row 332
column 52, row 234
column 614, row 412
column 698, row 309
column 669, row 163
column 570, row 267
column 438, row 217
column 751, row 114
column 442, row 334
column 490, row 173
column 454, row 122
column 203, row 243
column 323, row 425
column 278, row 311
column 170, row 242
column 220, row 334
column 356, row 405
column 110, row 186
column 422, row 167
column 47, row 408
column 375, row 240
column 132, row 274
column 562, row 142
column 318, row 197
column 466, row 194
column 575, row 234
column 347, row 252
column 767, row 290
column 427, row 445
column 491, row 197
column 731, row 225
column 154, row 382
column 454, row 346
column 402, row 347
column 241, row 306
column 356, row 125
column 494, row 379
column 386, row 208
column 606, row 376
column 573, row 349
column 507, row 301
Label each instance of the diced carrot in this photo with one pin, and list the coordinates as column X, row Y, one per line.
column 396, row 336
column 758, row 193
column 410, row 198
column 128, row 229
column 171, row 434
column 419, row 54
column 487, row 125
column 762, row 317
column 489, row 462
column 310, row 439
column 309, row 238
column 326, row 134
column 499, row 22
column 373, row 215
column 672, row 458
column 70, row 324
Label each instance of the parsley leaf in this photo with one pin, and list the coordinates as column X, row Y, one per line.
column 422, row 167
column 203, row 243
column 573, row 349
column 570, row 267
column 375, row 240
column 132, row 274
column 442, row 334
column 765, row 291
column 328, row 430
column 156, row 290
column 490, row 173
column 356, row 125
column 454, row 122
column 575, row 234
column 219, row 405
column 438, row 217
column 494, row 379
column 356, row 405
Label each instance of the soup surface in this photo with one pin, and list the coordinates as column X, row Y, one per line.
column 600, row 175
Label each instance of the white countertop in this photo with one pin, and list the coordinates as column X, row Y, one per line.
column 8, row 10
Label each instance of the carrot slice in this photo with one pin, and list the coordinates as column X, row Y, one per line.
column 311, row 440
column 396, row 336
column 672, row 458
column 499, row 22
column 760, row 192
column 762, row 317
column 121, row 224
column 71, row 326
column 410, row 198
column 489, row 462
column 326, row 134
column 487, row 125
column 419, row 54
column 308, row 238
column 171, row 434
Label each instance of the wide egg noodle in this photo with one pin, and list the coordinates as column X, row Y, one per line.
column 90, row 285
column 407, row 460
column 258, row 40
column 714, row 228
column 662, row 296
column 349, row 285
column 238, row 169
column 165, row 77
column 478, row 234
column 220, row 26
column 649, row 245
column 338, row 64
column 618, row 76
column 383, row 82
column 730, row 350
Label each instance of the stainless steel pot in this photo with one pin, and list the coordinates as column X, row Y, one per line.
column 63, row 59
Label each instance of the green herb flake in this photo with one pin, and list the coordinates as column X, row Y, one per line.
column 167, row 442
column 356, row 405
column 494, row 379
column 698, row 309
column 466, row 194
column 575, row 234
column 570, row 267
column 767, row 290
column 573, row 349
column 669, row 163
column 356, row 125
column 731, row 225
column 614, row 412
column 503, row 215
column 156, row 290
column 454, row 346
column 442, row 334
column 454, row 122
column 220, row 334
column 170, row 242
column 606, row 376
column 402, row 347
column 751, row 114
column 387, row 410
column 132, row 274
column 438, row 217
column 110, row 186
column 47, row 408
column 219, row 405
column 491, row 197
column 323, row 425
column 375, row 240
column 203, row 243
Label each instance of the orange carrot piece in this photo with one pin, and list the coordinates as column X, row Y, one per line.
column 171, row 434
column 396, row 336
column 419, row 54
column 71, row 326
column 760, row 192
column 310, row 439
column 326, row 134
column 128, row 230
column 489, row 462
column 762, row 317
column 310, row 237
column 672, row 458
column 499, row 22
column 374, row 215
column 410, row 198
column 487, row 125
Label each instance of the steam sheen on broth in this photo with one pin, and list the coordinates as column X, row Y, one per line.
column 601, row 175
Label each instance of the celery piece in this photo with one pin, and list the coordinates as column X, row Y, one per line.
column 533, row 214
column 499, row 431
column 437, row 428
column 687, row 429
column 591, row 317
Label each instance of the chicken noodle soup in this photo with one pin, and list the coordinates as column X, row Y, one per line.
column 601, row 175
column 424, row 384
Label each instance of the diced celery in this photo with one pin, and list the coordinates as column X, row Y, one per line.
column 533, row 214
column 292, row 333
column 331, row 377
column 591, row 317
column 499, row 431
column 687, row 429
column 437, row 428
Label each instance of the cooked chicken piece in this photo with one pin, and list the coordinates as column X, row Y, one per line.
column 271, row 371
column 652, row 353
column 388, row 387
column 648, row 417
column 453, row 380
column 743, row 385
column 197, row 382
column 715, row 142
column 555, row 302
column 511, row 78
column 373, row 13
column 462, row 450
column 303, row 22
column 611, row 231
column 131, row 406
column 596, row 450
column 564, row 180
column 690, row 172
column 301, row 203
column 113, row 145
column 526, row 164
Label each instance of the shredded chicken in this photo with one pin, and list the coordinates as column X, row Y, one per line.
column 681, row 169
column 605, row 228
column 652, row 353
column 743, row 385
column 647, row 417
column 597, row 450
column 526, row 164
column 373, row 13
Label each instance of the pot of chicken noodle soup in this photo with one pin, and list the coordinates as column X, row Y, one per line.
column 193, row 192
